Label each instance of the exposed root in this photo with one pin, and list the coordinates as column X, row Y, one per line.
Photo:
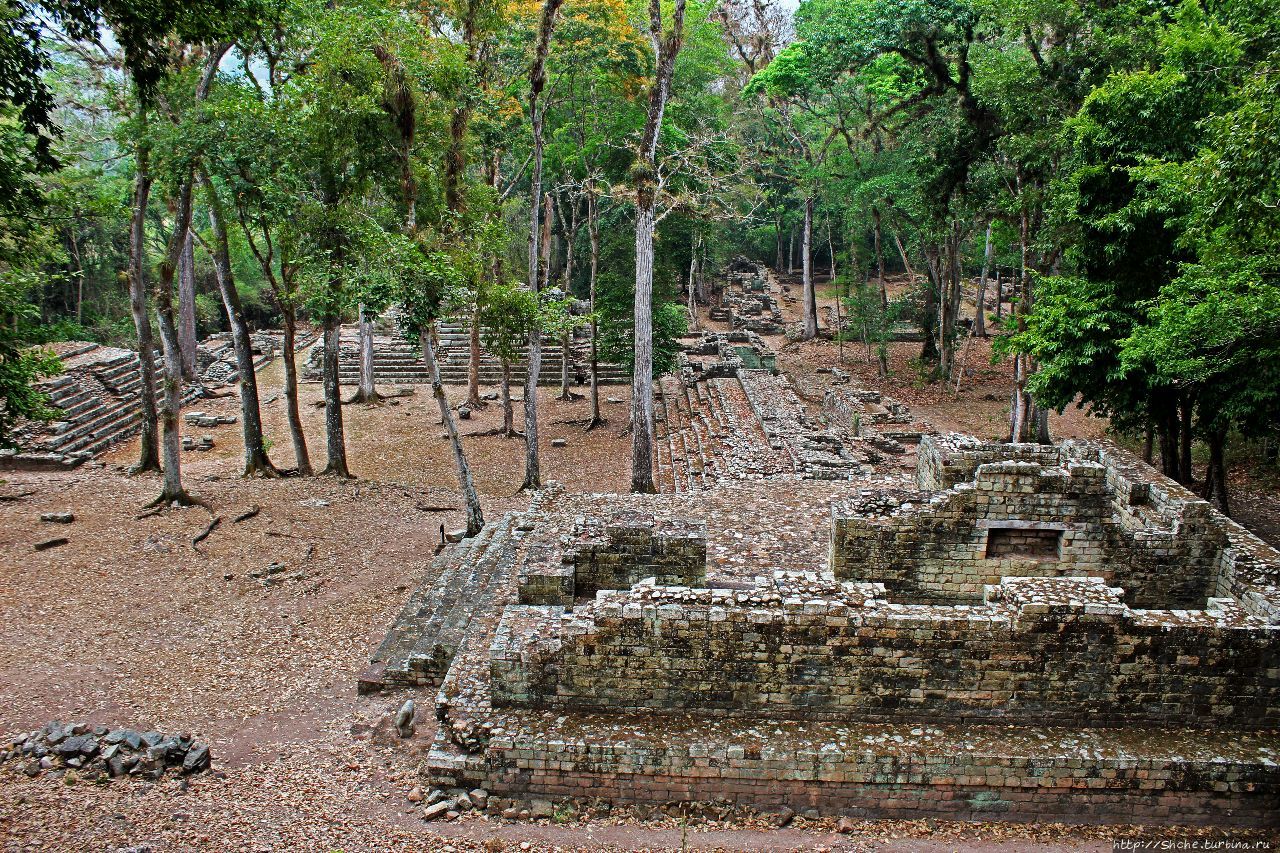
column 247, row 514
column 182, row 498
column 373, row 398
column 593, row 423
column 140, row 468
column 204, row 534
column 16, row 497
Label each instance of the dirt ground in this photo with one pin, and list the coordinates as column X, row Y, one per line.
column 131, row 624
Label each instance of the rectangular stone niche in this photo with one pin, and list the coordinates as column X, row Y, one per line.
column 1010, row 542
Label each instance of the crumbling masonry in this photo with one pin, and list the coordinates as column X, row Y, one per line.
column 969, row 630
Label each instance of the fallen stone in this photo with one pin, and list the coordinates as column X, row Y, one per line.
column 415, row 795
column 541, row 808
column 52, row 543
column 435, row 811
column 196, row 759
column 559, row 442
column 404, row 719
column 57, row 517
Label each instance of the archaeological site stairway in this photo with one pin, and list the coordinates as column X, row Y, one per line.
column 397, row 361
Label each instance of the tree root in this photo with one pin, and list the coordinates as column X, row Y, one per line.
column 204, row 534
column 183, row 499
column 593, row 423
column 373, row 399
column 247, row 514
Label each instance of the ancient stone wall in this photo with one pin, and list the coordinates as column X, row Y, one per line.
column 803, row 646
column 614, row 554
column 1088, row 515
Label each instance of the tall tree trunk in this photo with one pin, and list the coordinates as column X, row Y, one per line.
column 172, row 491
column 149, row 455
column 1186, row 404
column 302, row 457
column 806, row 270
column 980, row 304
column 693, row 281
column 593, row 227
column 334, row 433
column 665, row 48
column 256, row 460
column 1215, row 485
column 366, row 392
column 777, row 229
column 999, row 296
column 187, row 309
column 474, row 354
column 537, row 80
column 508, row 416
column 878, row 242
column 475, row 518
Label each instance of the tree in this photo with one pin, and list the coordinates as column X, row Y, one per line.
column 666, row 43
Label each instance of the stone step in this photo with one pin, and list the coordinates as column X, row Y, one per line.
column 422, row 642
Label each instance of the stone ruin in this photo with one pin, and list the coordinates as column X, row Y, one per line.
column 99, row 397
column 1013, row 632
column 398, row 361
column 747, row 299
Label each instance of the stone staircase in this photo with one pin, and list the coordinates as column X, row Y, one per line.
column 707, row 432
column 422, row 641
column 396, row 361
column 99, row 396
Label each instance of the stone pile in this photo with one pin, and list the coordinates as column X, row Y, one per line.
column 97, row 750
column 748, row 300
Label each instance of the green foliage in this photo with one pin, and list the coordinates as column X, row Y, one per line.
column 20, row 365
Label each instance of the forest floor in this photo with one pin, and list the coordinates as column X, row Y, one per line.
column 131, row 624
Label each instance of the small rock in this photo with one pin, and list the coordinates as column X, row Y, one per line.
column 559, row 442
column 415, row 795
column 52, row 543
column 479, row 797
column 846, row 825
column 464, row 412
column 511, row 813
column 541, row 808
column 435, row 811
column 197, row 758
column 32, row 769
column 404, row 719
column 58, row 517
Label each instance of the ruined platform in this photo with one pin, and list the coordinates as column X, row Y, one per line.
column 1017, row 632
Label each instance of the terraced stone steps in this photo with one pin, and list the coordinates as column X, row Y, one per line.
column 422, row 642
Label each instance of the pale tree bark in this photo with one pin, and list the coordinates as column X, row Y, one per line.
column 537, row 81
column 149, row 456
column 256, row 460
column 172, row 491
column 569, row 229
column 666, row 45
column 187, row 309
column 474, row 400
column 366, row 392
column 980, row 304
column 808, row 294
column 302, row 458
column 508, row 415
column 593, row 228
column 693, row 281
column 475, row 518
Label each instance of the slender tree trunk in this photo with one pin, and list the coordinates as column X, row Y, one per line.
column 537, row 80
column 693, row 281
column 149, row 456
column 508, row 416
column 300, row 454
column 474, row 400
column 1215, row 487
column 777, row 233
column 256, row 460
column 366, row 392
column 475, row 518
column 335, row 437
column 172, row 491
column 593, row 227
column 999, row 297
column 1186, row 404
column 187, row 309
column 642, row 432
column 791, row 253
column 877, row 238
column 980, row 307
column 1148, row 443
column 806, row 269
